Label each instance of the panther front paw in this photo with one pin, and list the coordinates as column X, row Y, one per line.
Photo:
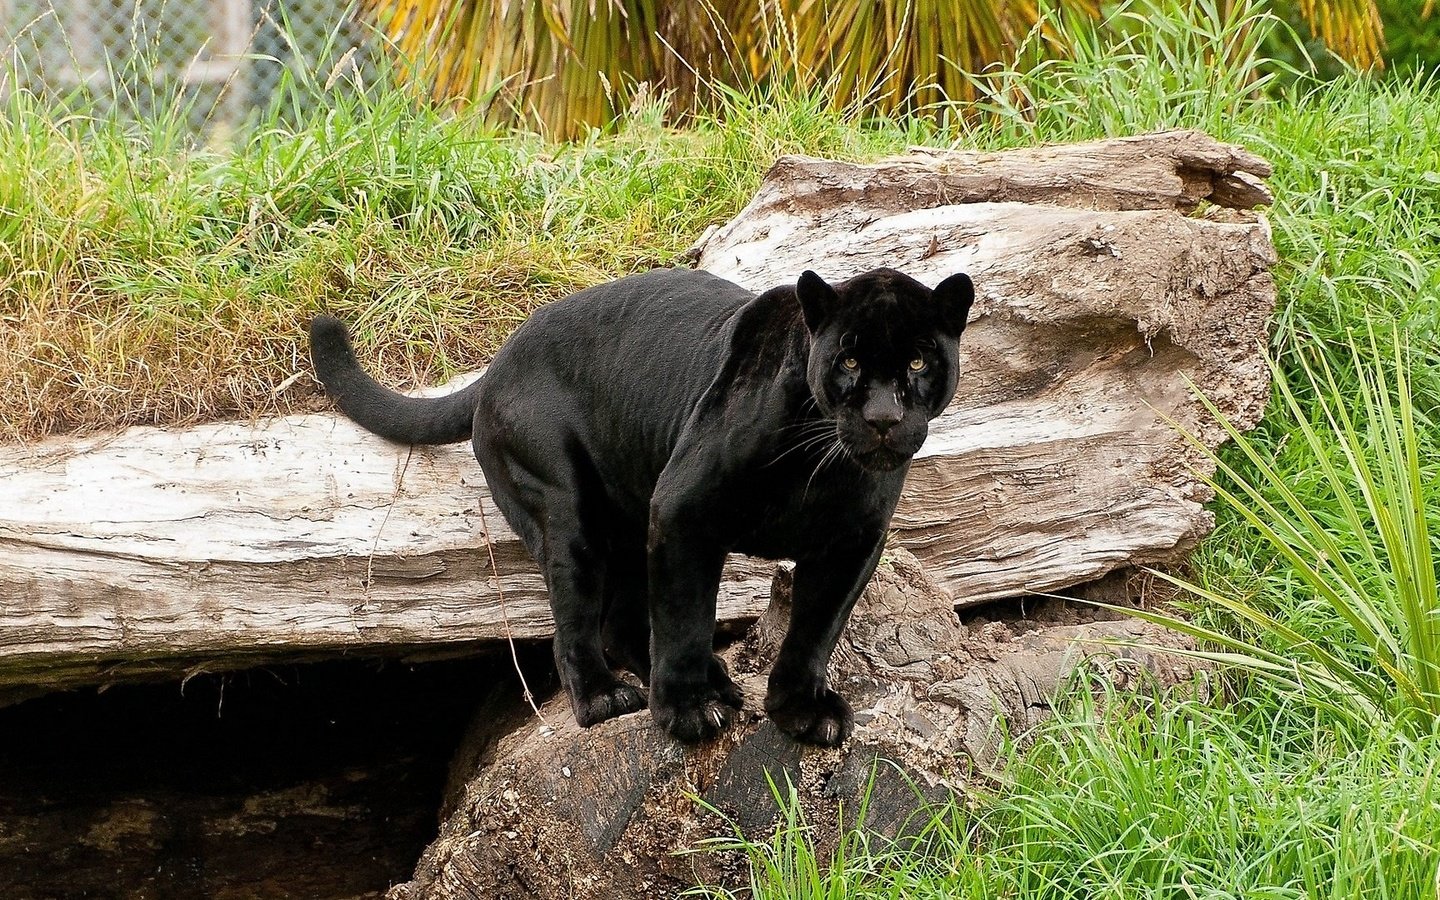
column 699, row 714
column 825, row 720
column 607, row 703
column 695, row 721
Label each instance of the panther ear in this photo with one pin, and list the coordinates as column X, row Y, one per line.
column 817, row 299
column 953, row 298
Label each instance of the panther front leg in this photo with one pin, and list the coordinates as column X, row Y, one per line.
column 825, row 590
column 691, row 694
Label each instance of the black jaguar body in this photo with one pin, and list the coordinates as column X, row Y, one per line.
column 636, row 432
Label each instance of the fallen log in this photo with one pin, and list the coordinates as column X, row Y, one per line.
column 155, row 552
column 160, row 552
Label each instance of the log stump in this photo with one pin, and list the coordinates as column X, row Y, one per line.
column 551, row 810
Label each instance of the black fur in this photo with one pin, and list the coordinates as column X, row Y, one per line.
column 637, row 432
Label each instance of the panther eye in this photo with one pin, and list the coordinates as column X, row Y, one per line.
column 917, row 364
column 850, row 363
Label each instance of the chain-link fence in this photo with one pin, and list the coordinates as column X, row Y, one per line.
column 214, row 59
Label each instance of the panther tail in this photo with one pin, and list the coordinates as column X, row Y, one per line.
column 407, row 420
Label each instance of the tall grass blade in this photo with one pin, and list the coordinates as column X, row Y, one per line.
column 1369, row 560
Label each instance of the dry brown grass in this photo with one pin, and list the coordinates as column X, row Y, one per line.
column 81, row 360
column 142, row 282
column 147, row 281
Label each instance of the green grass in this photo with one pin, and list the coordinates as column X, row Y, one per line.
column 146, row 280
column 1182, row 801
column 143, row 279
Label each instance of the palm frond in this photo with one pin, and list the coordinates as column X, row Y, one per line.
column 568, row 64
column 564, row 65
column 1351, row 28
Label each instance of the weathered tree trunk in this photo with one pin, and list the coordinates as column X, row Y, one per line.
column 160, row 551
column 157, row 551
column 557, row 811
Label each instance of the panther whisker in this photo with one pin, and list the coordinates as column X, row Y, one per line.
column 830, row 454
column 808, row 441
column 807, row 425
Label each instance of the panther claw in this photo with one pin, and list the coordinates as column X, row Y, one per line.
column 694, row 724
column 825, row 720
column 608, row 703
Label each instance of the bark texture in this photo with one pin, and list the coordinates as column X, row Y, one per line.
column 556, row 811
column 1103, row 289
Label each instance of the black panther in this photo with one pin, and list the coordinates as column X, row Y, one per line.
column 635, row 433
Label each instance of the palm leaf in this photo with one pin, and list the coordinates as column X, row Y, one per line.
column 568, row 64
column 564, row 65
column 1351, row 28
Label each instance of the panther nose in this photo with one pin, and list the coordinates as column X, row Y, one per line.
column 883, row 423
column 882, row 411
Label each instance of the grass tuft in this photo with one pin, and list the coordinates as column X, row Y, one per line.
column 1357, row 624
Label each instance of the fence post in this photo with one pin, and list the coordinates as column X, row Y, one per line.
column 10, row 59
column 234, row 24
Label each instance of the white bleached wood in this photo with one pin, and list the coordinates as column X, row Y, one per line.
column 140, row 550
